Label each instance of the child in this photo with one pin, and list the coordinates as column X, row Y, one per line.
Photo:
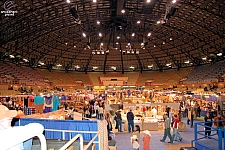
column 134, row 142
column 146, row 140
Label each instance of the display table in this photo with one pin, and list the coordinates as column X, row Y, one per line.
column 151, row 126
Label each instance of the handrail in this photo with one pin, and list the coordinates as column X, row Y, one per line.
column 220, row 132
column 73, row 140
column 86, row 146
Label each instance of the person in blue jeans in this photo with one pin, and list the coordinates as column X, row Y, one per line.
column 130, row 119
column 167, row 128
column 119, row 121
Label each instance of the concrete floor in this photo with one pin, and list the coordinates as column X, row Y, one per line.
column 123, row 140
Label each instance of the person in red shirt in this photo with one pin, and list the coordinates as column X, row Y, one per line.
column 176, row 134
column 146, row 140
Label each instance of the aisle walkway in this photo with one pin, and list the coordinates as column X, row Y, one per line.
column 123, row 140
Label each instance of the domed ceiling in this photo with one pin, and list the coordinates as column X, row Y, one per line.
column 107, row 35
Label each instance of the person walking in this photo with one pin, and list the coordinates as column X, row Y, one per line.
column 219, row 124
column 175, row 129
column 130, row 119
column 119, row 121
column 167, row 128
column 208, row 123
column 146, row 140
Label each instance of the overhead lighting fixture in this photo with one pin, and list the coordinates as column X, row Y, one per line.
column 128, row 43
column 138, row 21
column 131, row 67
column 133, row 34
column 94, row 1
column 41, row 63
column 84, row 35
column 174, row 1
column 66, row 43
column 149, row 34
column 142, row 44
column 123, row 11
column 100, row 34
column 59, row 65
column 101, row 44
column 164, row 42
column 74, row 46
column 77, row 67
column 103, row 52
column 11, row 56
column 118, row 37
column 150, row 66
column 114, row 68
column 158, row 22
column 95, row 67
column 154, row 46
column 168, row 64
column 148, row 1
column 204, row 58
column 25, row 60
column 68, row 1
column 187, row 62
column 117, row 43
column 171, row 39
column 219, row 54
column 98, row 22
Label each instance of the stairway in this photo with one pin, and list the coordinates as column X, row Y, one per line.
column 57, row 144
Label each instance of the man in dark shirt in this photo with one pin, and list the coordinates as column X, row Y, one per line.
column 119, row 121
column 130, row 119
column 208, row 122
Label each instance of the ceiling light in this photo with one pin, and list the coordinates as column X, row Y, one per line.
column 158, row 22
column 66, row 43
column 150, row 66
column 168, row 64
column 164, row 42
column 117, row 43
column 187, row 62
column 77, row 67
column 149, row 34
column 118, row 37
column 204, row 58
column 41, row 63
column 95, row 67
column 131, row 67
column 68, row 1
column 59, row 65
column 25, row 60
column 142, row 44
column 98, row 22
column 84, row 35
column 74, row 46
column 174, row 1
column 123, row 11
column 219, row 54
column 101, row 44
column 11, row 56
column 100, row 34
column 114, row 68
column 133, row 34
column 148, row 1
column 128, row 43
column 94, row 1
column 103, row 52
column 154, row 46
column 171, row 39
column 138, row 21
column 116, row 48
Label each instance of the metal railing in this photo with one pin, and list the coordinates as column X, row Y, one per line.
column 72, row 140
column 219, row 132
